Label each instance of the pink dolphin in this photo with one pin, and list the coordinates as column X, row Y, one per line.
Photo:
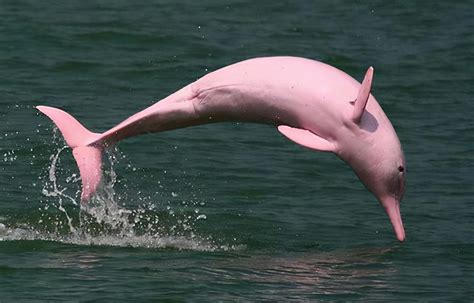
column 311, row 103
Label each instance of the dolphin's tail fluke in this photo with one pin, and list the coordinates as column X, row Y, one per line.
column 86, row 148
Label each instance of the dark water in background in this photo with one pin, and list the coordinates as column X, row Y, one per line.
column 232, row 211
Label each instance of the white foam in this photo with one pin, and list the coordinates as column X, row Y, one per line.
column 141, row 241
column 103, row 222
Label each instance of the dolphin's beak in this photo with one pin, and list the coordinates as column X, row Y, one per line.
column 392, row 207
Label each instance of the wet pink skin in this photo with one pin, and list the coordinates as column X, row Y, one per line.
column 309, row 102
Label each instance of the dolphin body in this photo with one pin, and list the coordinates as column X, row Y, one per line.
column 311, row 103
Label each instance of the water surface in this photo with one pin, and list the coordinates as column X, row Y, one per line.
column 231, row 211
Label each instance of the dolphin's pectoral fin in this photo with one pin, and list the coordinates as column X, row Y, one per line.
column 306, row 138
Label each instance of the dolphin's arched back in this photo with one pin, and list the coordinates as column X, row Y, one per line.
column 311, row 103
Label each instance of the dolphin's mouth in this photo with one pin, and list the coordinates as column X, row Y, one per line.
column 392, row 207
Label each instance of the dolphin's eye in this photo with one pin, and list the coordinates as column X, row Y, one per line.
column 401, row 168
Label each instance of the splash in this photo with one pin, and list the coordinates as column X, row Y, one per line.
column 55, row 190
column 135, row 241
column 105, row 221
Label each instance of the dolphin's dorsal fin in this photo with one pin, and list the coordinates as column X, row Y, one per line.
column 306, row 138
column 363, row 95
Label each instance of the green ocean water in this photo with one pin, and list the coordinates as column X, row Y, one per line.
column 231, row 211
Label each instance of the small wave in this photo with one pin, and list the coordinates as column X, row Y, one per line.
column 135, row 241
column 103, row 221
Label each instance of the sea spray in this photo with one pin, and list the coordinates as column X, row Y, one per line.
column 150, row 221
column 122, row 213
column 55, row 191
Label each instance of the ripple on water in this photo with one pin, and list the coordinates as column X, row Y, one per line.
column 131, row 240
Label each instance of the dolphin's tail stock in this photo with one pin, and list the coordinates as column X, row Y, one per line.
column 86, row 148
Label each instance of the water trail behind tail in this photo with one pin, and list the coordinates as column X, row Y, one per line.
column 104, row 221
